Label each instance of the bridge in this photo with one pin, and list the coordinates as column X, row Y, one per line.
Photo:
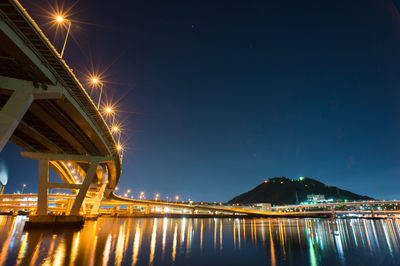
column 372, row 208
column 45, row 110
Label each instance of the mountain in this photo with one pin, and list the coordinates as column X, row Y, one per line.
column 281, row 190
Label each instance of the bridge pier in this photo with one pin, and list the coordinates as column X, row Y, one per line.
column 147, row 210
column 372, row 211
column 74, row 207
column 42, row 205
column 333, row 215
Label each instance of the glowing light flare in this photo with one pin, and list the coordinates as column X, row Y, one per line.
column 59, row 19
column 109, row 110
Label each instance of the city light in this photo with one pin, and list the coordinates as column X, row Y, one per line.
column 97, row 81
column 109, row 110
column 60, row 20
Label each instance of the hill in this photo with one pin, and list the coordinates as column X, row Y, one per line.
column 281, row 190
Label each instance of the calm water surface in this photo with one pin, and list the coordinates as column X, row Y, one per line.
column 162, row 241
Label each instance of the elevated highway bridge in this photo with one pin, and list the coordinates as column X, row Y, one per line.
column 45, row 110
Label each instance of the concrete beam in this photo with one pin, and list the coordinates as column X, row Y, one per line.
column 65, row 157
column 39, row 92
column 63, row 186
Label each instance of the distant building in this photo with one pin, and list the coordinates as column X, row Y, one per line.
column 265, row 207
column 316, row 197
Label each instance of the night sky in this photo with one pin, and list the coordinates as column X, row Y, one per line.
column 217, row 96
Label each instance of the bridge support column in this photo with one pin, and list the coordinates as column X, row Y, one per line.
column 42, row 187
column 372, row 211
column 12, row 113
column 333, row 212
column 96, row 205
column 84, row 188
column 147, row 211
column 162, row 210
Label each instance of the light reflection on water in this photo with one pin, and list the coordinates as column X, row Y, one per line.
column 148, row 241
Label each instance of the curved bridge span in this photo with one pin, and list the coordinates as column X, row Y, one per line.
column 45, row 110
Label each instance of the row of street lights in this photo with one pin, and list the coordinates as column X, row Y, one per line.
column 143, row 197
column 96, row 81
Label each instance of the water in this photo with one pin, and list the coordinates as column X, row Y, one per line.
column 162, row 241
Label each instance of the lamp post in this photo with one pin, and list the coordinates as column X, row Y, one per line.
column 110, row 111
column 22, row 190
column 96, row 81
column 61, row 19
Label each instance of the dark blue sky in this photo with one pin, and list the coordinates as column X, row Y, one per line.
column 219, row 95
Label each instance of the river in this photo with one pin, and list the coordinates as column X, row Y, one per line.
column 184, row 241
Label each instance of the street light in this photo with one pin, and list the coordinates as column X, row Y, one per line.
column 60, row 19
column 157, row 195
column 119, row 147
column 115, row 129
column 177, row 198
column 23, row 186
column 110, row 111
column 96, row 81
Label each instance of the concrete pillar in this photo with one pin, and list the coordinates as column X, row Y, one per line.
column 84, row 188
column 42, row 205
column 162, row 210
column 12, row 113
column 147, row 211
column 372, row 211
column 98, row 199
column 192, row 211
column 69, row 205
column 333, row 212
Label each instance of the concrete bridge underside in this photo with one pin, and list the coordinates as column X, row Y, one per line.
column 45, row 110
